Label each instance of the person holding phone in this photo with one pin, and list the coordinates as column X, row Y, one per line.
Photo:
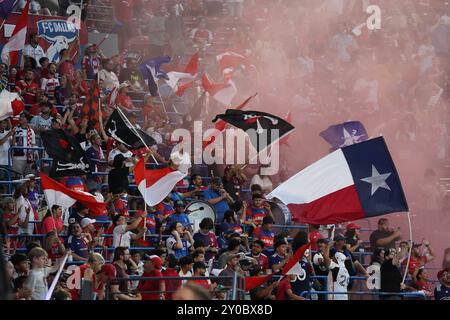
column 180, row 242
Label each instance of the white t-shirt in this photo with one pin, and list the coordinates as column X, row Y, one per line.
column 36, row 53
column 41, row 123
column 121, row 237
column 110, row 79
column 339, row 280
column 23, row 204
column 185, row 275
column 115, row 152
column 4, row 148
column 37, row 283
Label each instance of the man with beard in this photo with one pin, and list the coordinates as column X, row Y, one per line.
column 43, row 121
column 442, row 290
column 28, row 87
column 50, row 82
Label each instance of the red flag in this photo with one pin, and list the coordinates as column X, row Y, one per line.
column 295, row 258
column 91, row 107
column 10, row 52
column 253, row 282
column 57, row 193
column 192, row 66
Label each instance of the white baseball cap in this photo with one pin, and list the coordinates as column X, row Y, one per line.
column 86, row 221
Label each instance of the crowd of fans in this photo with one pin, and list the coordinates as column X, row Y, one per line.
column 315, row 66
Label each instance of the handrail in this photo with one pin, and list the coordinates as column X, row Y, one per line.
column 405, row 294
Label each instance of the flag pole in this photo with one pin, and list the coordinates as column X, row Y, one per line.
column 410, row 247
column 135, row 131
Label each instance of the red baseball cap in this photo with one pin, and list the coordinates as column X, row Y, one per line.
column 157, row 262
column 352, row 226
column 441, row 273
column 109, row 270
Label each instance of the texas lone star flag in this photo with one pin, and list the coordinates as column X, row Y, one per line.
column 355, row 182
column 155, row 185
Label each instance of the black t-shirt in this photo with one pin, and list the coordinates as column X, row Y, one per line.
column 376, row 235
column 118, row 179
column 75, row 217
column 230, row 187
column 391, row 278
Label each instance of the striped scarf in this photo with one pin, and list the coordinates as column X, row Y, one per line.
column 29, row 153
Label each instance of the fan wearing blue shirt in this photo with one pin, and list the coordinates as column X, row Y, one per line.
column 216, row 196
column 179, row 216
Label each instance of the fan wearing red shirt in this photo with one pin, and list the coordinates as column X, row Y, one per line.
column 314, row 235
column 10, row 218
column 171, row 271
column 27, row 88
column 284, row 289
column 256, row 253
column 54, row 246
column 418, row 260
column 152, row 268
column 123, row 99
column 53, row 220
column 41, row 99
column 200, row 271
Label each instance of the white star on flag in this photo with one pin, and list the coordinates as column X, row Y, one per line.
column 377, row 180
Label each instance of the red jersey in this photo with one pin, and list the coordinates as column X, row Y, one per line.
column 171, row 285
column 266, row 236
column 15, row 227
column 54, row 253
column 262, row 260
column 313, row 237
column 282, row 289
column 150, row 285
column 415, row 264
column 202, row 283
column 256, row 214
column 27, row 91
column 124, row 101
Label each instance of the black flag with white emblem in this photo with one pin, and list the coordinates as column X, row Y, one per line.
column 119, row 128
column 69, row 158
column 263, row 128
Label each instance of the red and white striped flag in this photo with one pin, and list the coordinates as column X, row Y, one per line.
column 155, row 185
column 10, row 52
column 181, row 81
column 58, row 194
column 10, row 104
column 221, row 92
column 232, row 59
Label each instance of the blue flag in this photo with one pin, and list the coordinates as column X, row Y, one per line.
column 151, row 72
column 6, row 6
column 345, row 134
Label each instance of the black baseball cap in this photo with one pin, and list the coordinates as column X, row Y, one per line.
column 338, row 237
column 178, row 203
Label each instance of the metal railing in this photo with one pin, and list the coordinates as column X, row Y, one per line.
column 235, row 292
